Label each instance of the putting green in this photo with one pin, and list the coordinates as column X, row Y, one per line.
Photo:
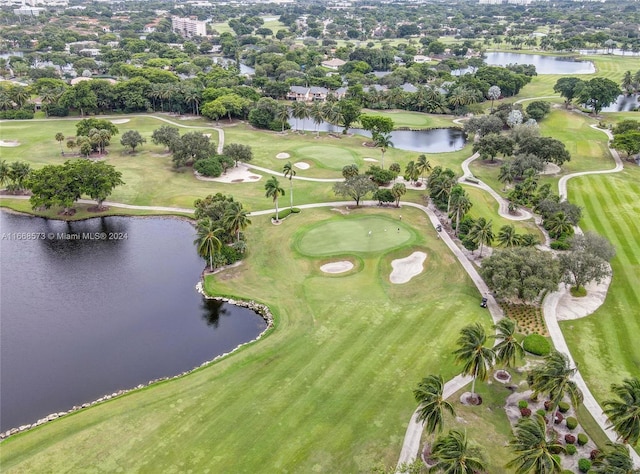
column 332, row 157
column 348, row 234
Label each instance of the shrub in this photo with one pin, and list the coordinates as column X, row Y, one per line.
column 541, row 412
column 536, row 344
column 584, row 465
column 569, row 438
column 523, row 404
column 558, row 418
column 547, row 405
column 560, row 245
column 582, row 439
column 282, row 213
column 595, row 454
column 563, row 407
column 230, row 254
column 570, row 449
column 208, row 167
column 525, row 412
column 571, row 423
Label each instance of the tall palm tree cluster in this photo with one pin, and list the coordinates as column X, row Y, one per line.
column 447, row 194
column 534, row 442
column 220, row 222
column 631, row 82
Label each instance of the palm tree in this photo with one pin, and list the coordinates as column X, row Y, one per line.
column 627, row 83
column 432, row 403
column 554, row 378
column 559, row 224
column 274, row 191
column 289, row 172
column 317, row 116
column 507, row 236
column 383, row 141
column 454, row 456
column 624, row 413
column 411, row 171
column 60, row 139
column 508, row 349
column 482, row 232
column 207, row 240
column 299, row 110
column 460, row 203
column 615, row 460
column 192, row 97
column 507, row 174
column 4, row 173
column 235, row 218
column 20, row 95
column 476, row 358
column 493, row 94
column 534, row 452
column 282, row 114
column 423, row 166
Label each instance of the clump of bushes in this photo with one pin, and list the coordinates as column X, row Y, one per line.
column 570, row 449
column 571, row 423
column 584, row 465
column 563, row 407
column 582, row 439
column 282, row 213
column 536, row 344
column 523, row 404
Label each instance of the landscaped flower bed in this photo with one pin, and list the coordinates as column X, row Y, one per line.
column 528, row 317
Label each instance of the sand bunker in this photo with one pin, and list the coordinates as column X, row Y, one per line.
column 302, row 165
column 283, row 156
column 551, row 168
column 337, row 267
column 9, row 143
column 119, row 121
column 235, row 174
column 404, row 269
column 371, row 160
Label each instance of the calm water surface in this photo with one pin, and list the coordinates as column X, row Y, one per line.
column 543, row 64
column 83, row 318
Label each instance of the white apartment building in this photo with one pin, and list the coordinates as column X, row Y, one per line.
column 188, row 27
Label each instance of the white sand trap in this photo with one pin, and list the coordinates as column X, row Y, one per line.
column 235, row 174
column 373, row 160
column 551, row 168
column 208, row 135
column 283, row 156
column 9, row 143
column 302, row 165
column 337, row 267
column 404, row 269
column 119, row 121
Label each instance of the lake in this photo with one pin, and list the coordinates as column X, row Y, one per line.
column 84, row 318
column 543, row 64
column 624, row 103
column 433, row 140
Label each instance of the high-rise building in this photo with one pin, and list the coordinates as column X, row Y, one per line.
column 188, row 27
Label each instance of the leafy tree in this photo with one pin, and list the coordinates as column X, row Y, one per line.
column 60, row 139
column 554, row 378
column 80, row 97
column 349, row 171
column 538, row 109
column 274, row 191
column 349, row 113
column 624, row 411
column 213, row 110
column 165, row 135
column 433, row 405
column 484, row 125
column 535, row 454
column 190, row 148
column 395, row 169
column 238, row 152
column 17, row 175
column 628, row 142
column 289, row 172
column 598, row 92
column 454, row 456
column 520, row 272
column 475, row 357
column 568, row 87
column 376, row 124
column 210, row 166
column 509, row 348
column 489, row 146
column 547, row 149
column 588, row 259
column 356, row 187
column 54, row 185
column 84, row 126
column 98, row 179
column 132, row 138
column 207, row 241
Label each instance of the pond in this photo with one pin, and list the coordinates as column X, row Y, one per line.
column 433, row 140
column 84, row 318
column 543, row 64
column 624, row 103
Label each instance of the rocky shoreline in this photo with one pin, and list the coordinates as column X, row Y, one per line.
column 259, row 308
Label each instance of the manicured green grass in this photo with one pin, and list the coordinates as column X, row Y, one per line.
column 346, row 235
column 328, row 156
column 605, row 344
column 414, row 120
column 330, row 389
